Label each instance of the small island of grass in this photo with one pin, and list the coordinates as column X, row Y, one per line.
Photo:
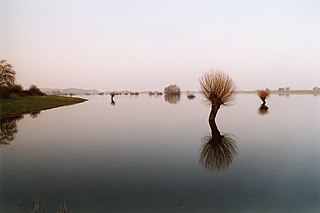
column 32, row 104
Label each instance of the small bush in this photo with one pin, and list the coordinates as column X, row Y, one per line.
column 34, row 90
column 191, row 96
column 12, row 91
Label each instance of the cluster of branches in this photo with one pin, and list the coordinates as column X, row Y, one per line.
column 217, row 88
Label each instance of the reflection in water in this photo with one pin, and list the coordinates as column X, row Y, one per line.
column 172, row 99
column 112, row 100
column 217, row 150
column 263, row 109
column 34, row 114
column 8, row 126
column 38, row 206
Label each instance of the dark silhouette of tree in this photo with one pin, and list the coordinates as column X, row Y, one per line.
column 217, row 151
column 34, row 90
column 263, row 94
column 7, row 74
column 112, row 94
column 218, row 89
column 8, row 127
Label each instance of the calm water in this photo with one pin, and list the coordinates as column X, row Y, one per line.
column 142, row 155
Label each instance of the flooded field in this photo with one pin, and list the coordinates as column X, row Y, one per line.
column 149, row 154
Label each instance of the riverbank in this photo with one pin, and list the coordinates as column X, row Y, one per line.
column 284, row 92
column 33, row 104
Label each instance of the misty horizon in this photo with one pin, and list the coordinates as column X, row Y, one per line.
column 145, row 45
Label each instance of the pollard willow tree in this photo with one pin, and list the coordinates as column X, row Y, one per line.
column 263, row 95
column 217, row 150
column 218, row 89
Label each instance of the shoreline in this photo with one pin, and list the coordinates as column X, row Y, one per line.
column 33, row 104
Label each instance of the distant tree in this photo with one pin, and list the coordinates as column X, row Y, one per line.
column 263, row 94
column 7, row 74
column 172, row 89
column 218, row 89
column 34, row 90
column 287, row 88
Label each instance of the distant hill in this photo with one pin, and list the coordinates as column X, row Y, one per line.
column 75, row 91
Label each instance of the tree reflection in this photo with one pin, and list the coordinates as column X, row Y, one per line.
column 112, row 98
column 172, row 99
column 34, row 114
column 217, row 150
column 8, row 126
column 263, row 109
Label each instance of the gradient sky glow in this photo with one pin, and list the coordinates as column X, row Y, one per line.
column 148, row 44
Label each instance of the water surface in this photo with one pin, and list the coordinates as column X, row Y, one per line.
column 142, row 155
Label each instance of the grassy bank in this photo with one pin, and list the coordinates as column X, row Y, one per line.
column 32, row 104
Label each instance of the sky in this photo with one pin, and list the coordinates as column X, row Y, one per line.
column 149, row 44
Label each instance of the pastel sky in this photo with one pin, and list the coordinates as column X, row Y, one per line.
column 148, row 44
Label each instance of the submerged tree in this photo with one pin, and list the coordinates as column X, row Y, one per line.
column 172, row 89
column 263, row 94
column 217, row 150
column 172, row 94
column 112, row 94
column 218, row 89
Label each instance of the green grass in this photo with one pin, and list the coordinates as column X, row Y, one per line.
column 32, row 104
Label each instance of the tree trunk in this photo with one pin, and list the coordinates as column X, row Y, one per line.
column 212, row 117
